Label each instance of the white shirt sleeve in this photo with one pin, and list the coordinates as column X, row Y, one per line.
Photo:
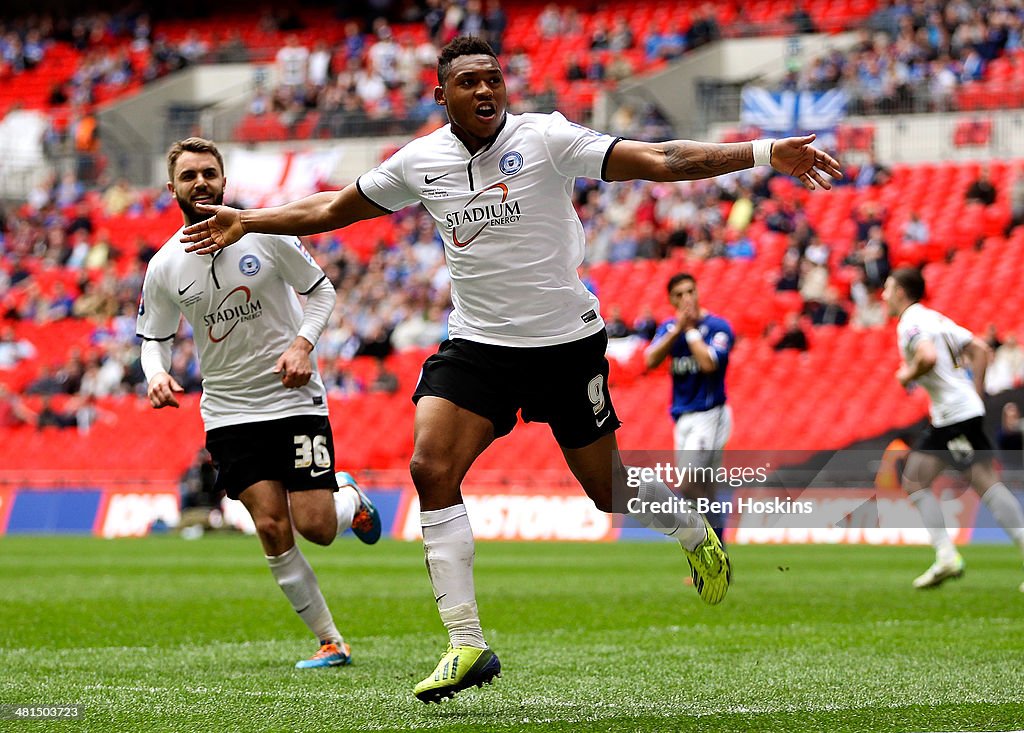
column 386, row 184
column 576, row 150
column 319, row 306
column 155, row 358
column 300, row 270
column 961, row 335
column 294, row 262
column 159, row 315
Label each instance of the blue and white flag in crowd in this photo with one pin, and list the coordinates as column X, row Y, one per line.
column 789, row 112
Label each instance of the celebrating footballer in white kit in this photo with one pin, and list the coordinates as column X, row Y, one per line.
column 525, row 333
column 264, row 405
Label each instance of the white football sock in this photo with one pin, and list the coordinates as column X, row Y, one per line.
column 1007, row 511
column 682, row 524
column 449, row 548
column 934, row 522
column 346, row 504
column 296, row 578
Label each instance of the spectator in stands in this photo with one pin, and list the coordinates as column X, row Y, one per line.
column 193, row 47
column 865, row 217
column 619, row 67
column 384, row 380
column 1010, row 438
column 814, row 273
column 59, row 305
column 868, row 310
column 705, row 27
column 793, row 336
column 383, row 56
column 828, row 311
column 85, row 133
column 98, row 300
column 473, row 22
column 621, row 36
column 319, row 65
column 1007, row 368
column 233, row 50
column 1016, row 204
column 981, row 190
column 599, row 40
column 615, row 326
column 198, row 484
column 51, row 417
column 800, row 19
column 496, row 23
column 292, row 65
column 738, row 246
column 13, row 410
column 873, row 257
column 916, row 231
column 789, row 277
column 13, row 349
column 872, row 173
column 118, row 197
column 646, row 325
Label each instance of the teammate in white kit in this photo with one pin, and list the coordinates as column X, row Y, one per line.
column 949, row 362
column 525, row 333
column 264, row 406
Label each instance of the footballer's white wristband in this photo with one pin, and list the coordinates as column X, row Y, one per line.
column 763, row 150
column 692, row 336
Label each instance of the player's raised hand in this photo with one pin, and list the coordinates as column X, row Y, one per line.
column 224, row 227
column 795, row 156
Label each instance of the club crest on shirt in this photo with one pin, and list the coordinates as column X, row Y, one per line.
column 511, row 163
column 249, row 265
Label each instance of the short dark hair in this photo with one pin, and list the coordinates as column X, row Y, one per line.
column 461, row 46
column 678, row 278
column 911, row 280
column 192, row 145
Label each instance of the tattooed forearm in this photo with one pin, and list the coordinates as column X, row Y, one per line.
column 686, row 160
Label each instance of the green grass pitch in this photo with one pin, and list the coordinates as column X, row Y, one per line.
column 161, row 634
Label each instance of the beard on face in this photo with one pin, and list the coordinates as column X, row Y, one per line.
column 192, row 215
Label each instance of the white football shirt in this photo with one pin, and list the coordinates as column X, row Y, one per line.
column 244, row 312
column 949, row 386
column 512, row 238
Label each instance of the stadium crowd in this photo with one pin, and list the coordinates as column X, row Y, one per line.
column 399, row 297
column 913, row 56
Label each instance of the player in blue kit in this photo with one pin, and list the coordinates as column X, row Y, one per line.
column 698, row 344
column 525, row 334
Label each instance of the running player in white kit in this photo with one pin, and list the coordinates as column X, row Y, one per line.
column 949, row 362
column 525, row 334
column 264, row 406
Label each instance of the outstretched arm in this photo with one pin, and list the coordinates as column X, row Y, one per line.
column 686, row 160
column 321, row 212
